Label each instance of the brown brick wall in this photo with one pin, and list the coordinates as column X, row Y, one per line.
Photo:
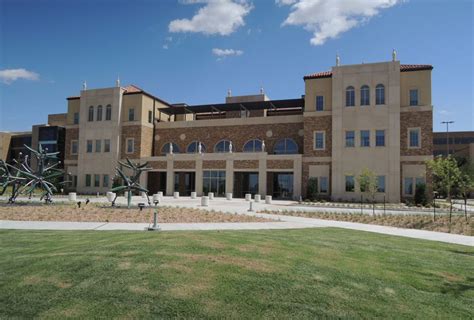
column 246, row 164
column 312, row 124
column 239, row 135
column 71, row 134
column 280, row 164
column 146, row 141
column 184, row 165
column 157, row 164
column 213, row 164
column 419, row 119
column 143, row 141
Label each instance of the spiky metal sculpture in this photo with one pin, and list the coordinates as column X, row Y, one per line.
column 131, row 183
column 25, row 179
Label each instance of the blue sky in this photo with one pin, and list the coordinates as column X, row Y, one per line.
column 193, row 51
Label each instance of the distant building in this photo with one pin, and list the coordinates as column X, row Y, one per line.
column 461, row 144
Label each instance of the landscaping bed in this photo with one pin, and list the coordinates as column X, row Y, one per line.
column 106, row 213
column 458, row 225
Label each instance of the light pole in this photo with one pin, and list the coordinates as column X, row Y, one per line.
column 447, row 135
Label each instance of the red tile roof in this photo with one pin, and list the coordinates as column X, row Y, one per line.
column 403, row 68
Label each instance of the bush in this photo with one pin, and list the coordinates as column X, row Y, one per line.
column 312, row 189
column 420, row 194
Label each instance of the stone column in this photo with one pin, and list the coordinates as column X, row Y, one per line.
column 198, row 178
column 169, row 175
column 262, row 174
column 297, row 179
column 229, row 174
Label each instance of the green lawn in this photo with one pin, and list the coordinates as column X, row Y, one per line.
column 297, row 274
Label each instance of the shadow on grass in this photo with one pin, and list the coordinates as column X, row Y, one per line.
column 458, row 288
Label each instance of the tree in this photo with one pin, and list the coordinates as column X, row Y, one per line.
column 420, row 194
column 466, row 184
column 368, row 184
column 312, row 189
column 446, row 176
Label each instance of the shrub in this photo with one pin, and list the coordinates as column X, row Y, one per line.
column 420, row 194
column 312, row 189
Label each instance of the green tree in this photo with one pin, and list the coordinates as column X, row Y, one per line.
column 367, row 181
column 446, row 177
column 312, row 189
column 420, row 194
column 466, row 184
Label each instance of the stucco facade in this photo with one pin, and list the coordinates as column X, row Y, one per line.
column 322, row 135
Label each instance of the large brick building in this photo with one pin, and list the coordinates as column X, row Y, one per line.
column 376, row 116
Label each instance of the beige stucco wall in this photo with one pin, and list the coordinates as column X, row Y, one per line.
column 73, row 106
column 381, row 160
column 318, row 87
column 420, row 80
column 5, row 138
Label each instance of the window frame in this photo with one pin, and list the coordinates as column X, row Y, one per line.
column 376, row 136
column 285, row 141
column 126, row 145
column 362, row 139
column 105, row 180
column 417, row 97
column 319, row 107
column 99, row 113
column 363, row 102
column 353, row 139
column 226, row 147
column 74, row 142
column 346, row 181
column 384, row 184
column 380, row 100
column 350, row 97
column 106, row 145
column 75, row 118
column 96, row 180
column 98, row 146
column 108, row 112
column 131, row 114
column 405, row 179
column 254, row 149
column 150, row 116
column 88, row 180
column 196, row 143
column 315, row 133
column 176, row 148
column 418, row 129
column 91, row 144
column 90, row 115
column 320, row 179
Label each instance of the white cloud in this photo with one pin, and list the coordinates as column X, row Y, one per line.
column 221, row 17
column 327, row 19
column 9, row 75
column 226, row 52
column 445, row 112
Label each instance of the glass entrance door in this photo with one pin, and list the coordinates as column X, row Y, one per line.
column 282, row 185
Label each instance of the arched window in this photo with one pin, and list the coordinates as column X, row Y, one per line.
column 166, row 148
column 364, row 95
column 108, row 112
column 285, row 146
column 222, row 146
column 91, row 113
column 253, row 146
column 193, row 147
column 350, row 96
column 99, row 113
column 380, row 94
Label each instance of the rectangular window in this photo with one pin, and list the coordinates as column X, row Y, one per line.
column 76, row 118
column 96, row 180
column 350, row 139
column 107, row 145
column 150, row 116
column 380, row 183
column 131, row 114
column 108, row 112
column 88, row 180
column 89, row 146
column 414, row 97
column 350, row 184
column 213, row 181
column 99, row 113
column 91, row 114
column 319, row 140
column 98, row 146
column 408, row 186
column 130, row 145
column 74, row 146
column 365, row 138
column 414, row 138
column 319, row 103
column 380, row 138
column 74, row 181
column 419, row 181
column 323, row 185
column 105, row 181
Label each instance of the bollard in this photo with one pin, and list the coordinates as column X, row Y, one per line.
column 211, row 195
column 228, row 196
column 268, row 199
column 176, row 195
column 98, row 194
column 156, row 197
column 205, row 201
column 193, row 195
column 248, row 196
column 155, row 222
column 72, row 196
column 110, row 196
column 143, row 194
column 250, row 206
column 160, row 194
column 257, row 197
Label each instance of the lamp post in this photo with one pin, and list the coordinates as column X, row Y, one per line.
column 447, row 135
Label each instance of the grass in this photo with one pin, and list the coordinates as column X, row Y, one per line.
column 459, row 224
column 310, row 273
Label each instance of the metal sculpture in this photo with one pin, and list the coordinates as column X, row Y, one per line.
column 24, row 179
column 131, row 183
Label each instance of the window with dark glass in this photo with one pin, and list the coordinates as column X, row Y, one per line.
column 91, row 114
column 96, row 180
column 88, row 180
column 150, row 116
column 99, row 113
column 89, row 146
column 380, row 94
column 319, row 140
column 365, row 138
column 98, row 145
column 350, row 186
column 213, row 181
column 285, row 146
column 364, row 95
column 350, row 139
column 131, row 114
column 413, row 97
column 193, row 147
column 105, row 181
column 380, row 183
column 254, row 145
column 130, row 145
column 319, row 103
column 74, row 146
column 380, row 138
column 76, row 118
column 414, row 138
column 107, row 145
column 350, row 97
column 222, row 146
column 323, row 184
column 108, row 112
column 166, row 148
